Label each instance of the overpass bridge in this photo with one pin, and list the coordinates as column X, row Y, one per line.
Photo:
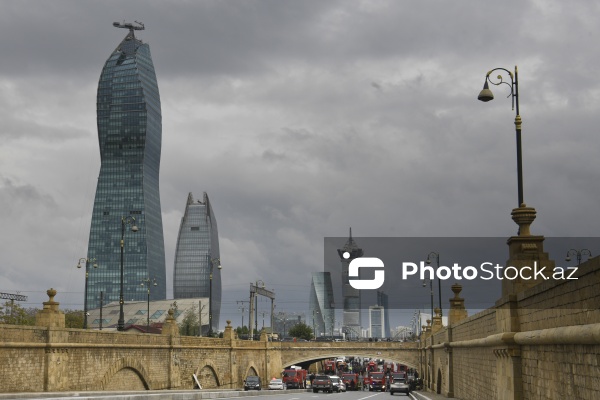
column 50, row 357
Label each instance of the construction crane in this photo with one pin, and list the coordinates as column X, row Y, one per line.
column 129, row 25
column 12, row 297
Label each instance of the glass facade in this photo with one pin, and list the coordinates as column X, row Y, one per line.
column 376, row 322
column 321, row 304
column 351, row 325
column 198, row 248
column 129, row 134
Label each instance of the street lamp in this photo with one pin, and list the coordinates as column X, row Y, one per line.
column 578, row 254
column 436, row 257
column 87, row 262
column 212, row 264
column 148, row 282
column 129, row 220
column 486, row 95
column 431, row 289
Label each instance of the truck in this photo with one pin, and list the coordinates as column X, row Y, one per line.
column 348, row 378
column 295, row 377
column 377, row 381
column 329, row 367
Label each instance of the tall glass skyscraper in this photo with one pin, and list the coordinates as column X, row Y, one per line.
column 321, row 305
column 352, row 305
column 129, row 133
column 198, row 248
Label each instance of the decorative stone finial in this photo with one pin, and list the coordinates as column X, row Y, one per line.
column 524, row 217
column 228, row 323
column 51, row 293
column 456, row 288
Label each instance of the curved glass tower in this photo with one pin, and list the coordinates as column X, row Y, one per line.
column 198, row 248
column 129, row 133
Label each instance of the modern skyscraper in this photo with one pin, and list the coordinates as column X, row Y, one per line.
column 129, row 134
column 376, row 322
column 382, row 301
column 197, row 251
column 352, row 322
column 321, row 304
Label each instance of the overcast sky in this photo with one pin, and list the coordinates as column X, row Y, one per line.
column 300, row 119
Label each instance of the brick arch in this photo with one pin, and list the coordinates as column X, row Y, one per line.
column 210, row 365
column 408, row 357
column 251, row 367
column 125, row 363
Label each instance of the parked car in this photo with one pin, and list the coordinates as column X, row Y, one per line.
column 399, row 385
column 338, row 384
column 322, row 383
column 276, row 384
column 252, row 383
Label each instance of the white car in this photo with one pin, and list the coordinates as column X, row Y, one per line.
column 276, row 384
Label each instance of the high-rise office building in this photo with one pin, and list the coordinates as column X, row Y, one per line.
column 196, row 254
column 352, row 319
column 382, row 300
column 129, row 134
column 321, row 305
column 377, row 322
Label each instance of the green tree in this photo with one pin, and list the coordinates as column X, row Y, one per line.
column 13, row 314
column 301, row 331
column 74, row 319
column 242, row 330
column 189, row 323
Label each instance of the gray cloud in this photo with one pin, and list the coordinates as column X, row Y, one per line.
column 300, row 119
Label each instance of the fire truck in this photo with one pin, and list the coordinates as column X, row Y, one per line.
column 377, row 381
column 348, row 378
column 295, row 377
column 329, row 367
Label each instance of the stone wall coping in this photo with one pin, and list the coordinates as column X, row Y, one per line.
column 481, row 314
column 579, row 334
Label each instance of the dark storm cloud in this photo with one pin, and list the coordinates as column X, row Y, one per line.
column 300, row 119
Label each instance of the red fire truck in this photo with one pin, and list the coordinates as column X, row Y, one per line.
column 377, row 381
column 295, row 377
column 348, row 378
column 329, row 367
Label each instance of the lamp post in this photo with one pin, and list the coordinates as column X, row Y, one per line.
column 129, row 220
column 87, row 262
column 431, row 289
column 436, row 257
column 487, row 95
column 212, row 264
column 578, row 254
column 148, row 282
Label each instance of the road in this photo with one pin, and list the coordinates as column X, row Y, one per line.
column 300, row 395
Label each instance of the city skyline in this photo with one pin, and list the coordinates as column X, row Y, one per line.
column 300, row 119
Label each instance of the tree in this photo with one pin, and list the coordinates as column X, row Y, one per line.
column 189, row 324
column 74, row 319
column 13, row 314
column 242, row 330
column 301, row 331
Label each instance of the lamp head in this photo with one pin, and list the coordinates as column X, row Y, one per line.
column 486, row 94
column 134, row 228
column 79, row 264
column 568, row 258
column 219, row 266
column 428, row 261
